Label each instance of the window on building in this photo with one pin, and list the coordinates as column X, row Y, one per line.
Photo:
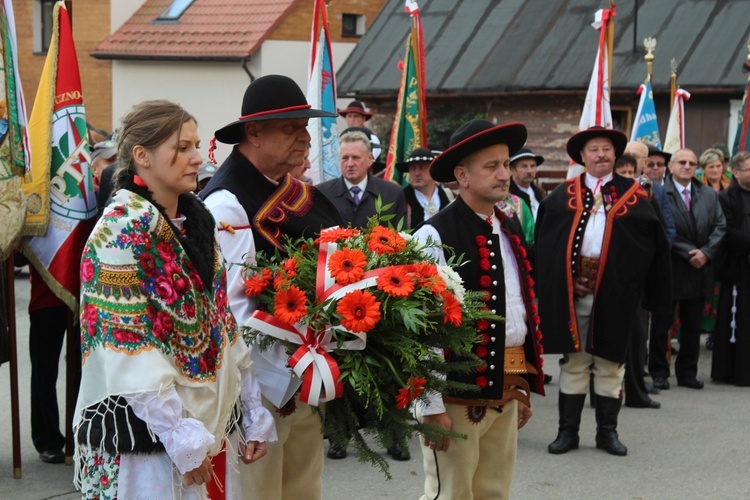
column 352, row 25
column 174, row 10
column 43, row 24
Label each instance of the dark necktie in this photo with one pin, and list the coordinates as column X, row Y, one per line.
column 355, row 194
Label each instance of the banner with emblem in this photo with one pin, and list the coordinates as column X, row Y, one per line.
column 61, row 205
column 410, row 124
column 645, row 125
column 14, row 140
column 321, row 94
column 674, row 139
column 596, row 109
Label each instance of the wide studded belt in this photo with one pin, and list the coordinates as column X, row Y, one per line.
column 588, row 268
column 515, row 360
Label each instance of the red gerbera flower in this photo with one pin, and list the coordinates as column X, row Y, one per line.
column 335, row 234
column 290, row 305
column 359, row 311
column 396, row 282
column 290, row 267
column 383, row 240
column 451, row 309
column 435, row 284
column 414, row 387
column 258, row 282
column 347, row 265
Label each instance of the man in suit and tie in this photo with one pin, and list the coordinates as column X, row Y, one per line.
column 355, row 192
column 700, row 225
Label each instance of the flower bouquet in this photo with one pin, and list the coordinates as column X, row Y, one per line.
column 365, row 317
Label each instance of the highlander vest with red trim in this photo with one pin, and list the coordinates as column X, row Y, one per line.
column 461, row 229
column 291, row 208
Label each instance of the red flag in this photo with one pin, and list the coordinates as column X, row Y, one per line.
column 60, row 196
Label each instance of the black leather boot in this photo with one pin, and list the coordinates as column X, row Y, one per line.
column 607, row 410
column 570, row 407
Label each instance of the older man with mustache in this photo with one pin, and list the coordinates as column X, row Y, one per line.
column 600, row 248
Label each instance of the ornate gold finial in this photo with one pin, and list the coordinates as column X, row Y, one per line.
column 650, row 45
column 673, row 63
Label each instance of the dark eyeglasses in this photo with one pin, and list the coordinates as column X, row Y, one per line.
column 659, row 164
column 686, row 162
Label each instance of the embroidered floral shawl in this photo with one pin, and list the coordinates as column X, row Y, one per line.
column 148, row 323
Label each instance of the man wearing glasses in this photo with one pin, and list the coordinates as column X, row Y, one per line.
column 700, row 225
column 656, row 165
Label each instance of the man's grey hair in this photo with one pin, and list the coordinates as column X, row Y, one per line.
column 354, row 136
column 739, row 159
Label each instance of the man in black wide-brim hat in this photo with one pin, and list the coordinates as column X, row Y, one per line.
column 250, row 197
column 496, row 263
column 600, row 248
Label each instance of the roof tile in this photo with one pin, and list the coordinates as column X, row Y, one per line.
column 207, row 29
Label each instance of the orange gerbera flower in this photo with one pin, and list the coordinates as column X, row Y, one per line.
column 396, row 282
column 258, row 282
column 347, row 265
column 415, row 386
column 425, row 269
column 451, row 309
column 359, row 311
column 383, row 240
column 335, row 234
column 290, row 267
column 290, row 305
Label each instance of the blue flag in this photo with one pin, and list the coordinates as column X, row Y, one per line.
column 645, row 126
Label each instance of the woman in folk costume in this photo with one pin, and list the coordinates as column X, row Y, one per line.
column 166, row 380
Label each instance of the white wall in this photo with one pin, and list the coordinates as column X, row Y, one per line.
column 212, row 92
column 121, row 10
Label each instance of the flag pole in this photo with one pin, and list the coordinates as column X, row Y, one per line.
column 673, row 83
column 610, row 42
column 10, row 308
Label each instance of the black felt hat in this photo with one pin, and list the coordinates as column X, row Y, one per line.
column 526, row 153
column 356, row 107
column 470, row 138
column 654, row 151
column 270, row 97
column 579, row 140
column 419, row 154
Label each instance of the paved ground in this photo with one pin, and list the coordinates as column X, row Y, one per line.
column 695, row 446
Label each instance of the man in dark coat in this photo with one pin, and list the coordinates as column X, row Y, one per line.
column 424, row 197
column 354, row 193
column 496, row 262
column 523, row 167
column 256, row 203
column 730, row 362
column 700, row 225
column 600, row 245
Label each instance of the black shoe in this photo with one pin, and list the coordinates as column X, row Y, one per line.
column 52, row 456
column 547, row 378
column 691, row 383
column 654, row 405
column 336, row 451
column 661, row 383
column 650, row 389
column 399, row 453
